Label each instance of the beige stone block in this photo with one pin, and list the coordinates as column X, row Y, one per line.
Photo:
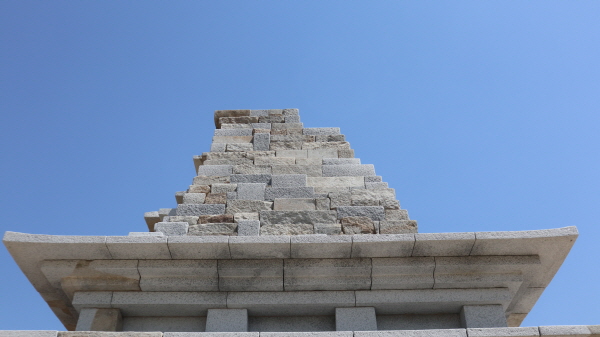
column 325, row 182
column 301, row 204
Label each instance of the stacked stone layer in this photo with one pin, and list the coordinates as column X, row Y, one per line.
column 267, row 174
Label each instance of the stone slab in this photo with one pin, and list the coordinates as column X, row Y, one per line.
column 239, row 147
column 251, row 178
column 403, row 273
column 197, row 210
column 288, row 180
column 443, row 244
column 355, row 319
column 322, row 182
column 322, row 153
column 345, row 170
column 199, row 247
column 251, row 191
column 226, row 229
column 392, row 245
column 182, row 324
column 272, row 193
column 262, row 141
column 193, row 198
column 170, row 304
column 272, row 161
column 248, row 228
column 251, row 275
column 321, row 131
column 297, row 204
column 215, row 170
column 172, row 228
column 289, row 229
column 321, row 246
column 28, row 333
column 504, row 332
column 341, row 161
column 309, row 170
column 232, row 139
column 414, row 333
column 376, row 213
column 565, row 330
column 233, row 132
column 483, row 316
column 178, row 275
column 259, row 247
column 99, row 319
column 297, row 217
column 247, row 206
column 138, row 247
column 251, row 169
column 218, row 147
column 292, row 153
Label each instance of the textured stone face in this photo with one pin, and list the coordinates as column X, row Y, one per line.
column 268, row 174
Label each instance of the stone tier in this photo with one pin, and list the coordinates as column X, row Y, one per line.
column 267, row 174
column 292, row 283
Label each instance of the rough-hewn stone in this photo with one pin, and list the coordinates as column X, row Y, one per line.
column 213, row 229
column 357, row 225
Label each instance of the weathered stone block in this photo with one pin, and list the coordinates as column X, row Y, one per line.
column 358, row 225
column 288, row 180
column 259, row 247
column 199, row 189
column 330, row 138
column 334, row 182
column 355, row 319
column 251, row 275
column 251, row 178
column 291, row 119
column 277, row 126
column 213, row 229
column 178, row 275
column 216, row 198
column 248, row 206
column 396, row 214
column 297, row 138
column 233, row 132
column 271, row 161
column 443, row 244
column 237, row 120
column 248, row 227
column 251, row 191
column 327, row 145
column 251, row 169
column 179, row 197
column 397, row 226
column 199, row 247
column 232, row 196
column 322, row 153
column 205, row 180
column 373, row 179
column 197, row 210
column 172, row 228
column 348, row 170
column 232, row 139
column 341, row 161
column 239, row 147
column 310, row 161
column 221, row 218
column 361, row 197
column 327, row 274
column 236, row 126
column 532, row 331
column 328, row 229
column 292, row 303
column 376, row 213
column 297, row 217
column 279, row 146
column 272, row 118
column 229, row 113
column 290, row 112
column 151, row 219
column 293, row 229
column 309, row 170
column 294, row 205
column 261, row 126
column 323, row 204
column 321, row 131
column 266, row 112
column 194, row 198
column 272, row 193
column 262, row 141
column 340, row 199
column 28, row 333
column 376, row 186
column 246, row 216
column 292, row 153
column 346, row 153
column 566, row 331
column 227, row 320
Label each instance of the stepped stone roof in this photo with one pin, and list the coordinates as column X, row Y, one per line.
column 267, row 174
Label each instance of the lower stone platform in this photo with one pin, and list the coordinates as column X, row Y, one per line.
column 555, row 331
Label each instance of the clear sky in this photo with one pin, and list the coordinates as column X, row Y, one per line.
column 483, row 115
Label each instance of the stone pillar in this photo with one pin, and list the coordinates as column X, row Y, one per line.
column 227, row 320
column 355, row 319
column 483, row 316
column 91, row 319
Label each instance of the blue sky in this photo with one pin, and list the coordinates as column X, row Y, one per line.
column 483, row 115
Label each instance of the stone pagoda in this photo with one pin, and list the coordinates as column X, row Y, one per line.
column 284, row 232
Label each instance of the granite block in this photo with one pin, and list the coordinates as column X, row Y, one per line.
column 565, row 330
column 398, row 245
column 296, row 204
column 237, row 120
column 272, row 193
column 309, row 170
column 414, row 333
column 403, row 273
column 229, row 113
column 199, row 247
column 246, row 216
column 251, row 191
column 335, row 182
column 292, row 153
column 265, row 112
column 271, row 161
column 355, row 319
column 346, row 153
column 328, row 229
column 232, row 196
column 151, row 219
column 327, row 274
column 95, row 319
column 194, row 198
column 323, row 204
column 221, row 218
column 206, row 180
column 248, row 227
column 288, row 180
column 279, row 146
column 291, row 119
column 287, row 229
column 262, row 141
column 28, row 333
column 376, row 186
column 247, row 206
column 172, row 228
column 178, row 275
column 239, row 147
column 272, row 118
column 198, row 189
column 312, row 326
column 213, row 229
column 92, row 299
column 321, row 246
column 251, row 178
column 504, row 332
column 290, row 112
column 232, row 139
column 297, row 217
column 233, row 132
column 186, row 325
column 330, row 138
column 179, row 197
column 251, row 275
column 197, row 210
column 236, row 126
column 168, row 304
column 376, row 213
column 396, row 214
column 398, row 227
column 322, row 153
column 261, row 126
column 227, row 320
column 358, row 225
column 259, row 247
column 341, row 161
column 138, row 247
column 216, row 198
column 373, row 179
column 340, row 199
column 279, row 126
column 321, row 131
column 345, row 170
column 327, row 145
column 251, row 169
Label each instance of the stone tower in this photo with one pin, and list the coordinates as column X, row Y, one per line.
column 282, row 233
